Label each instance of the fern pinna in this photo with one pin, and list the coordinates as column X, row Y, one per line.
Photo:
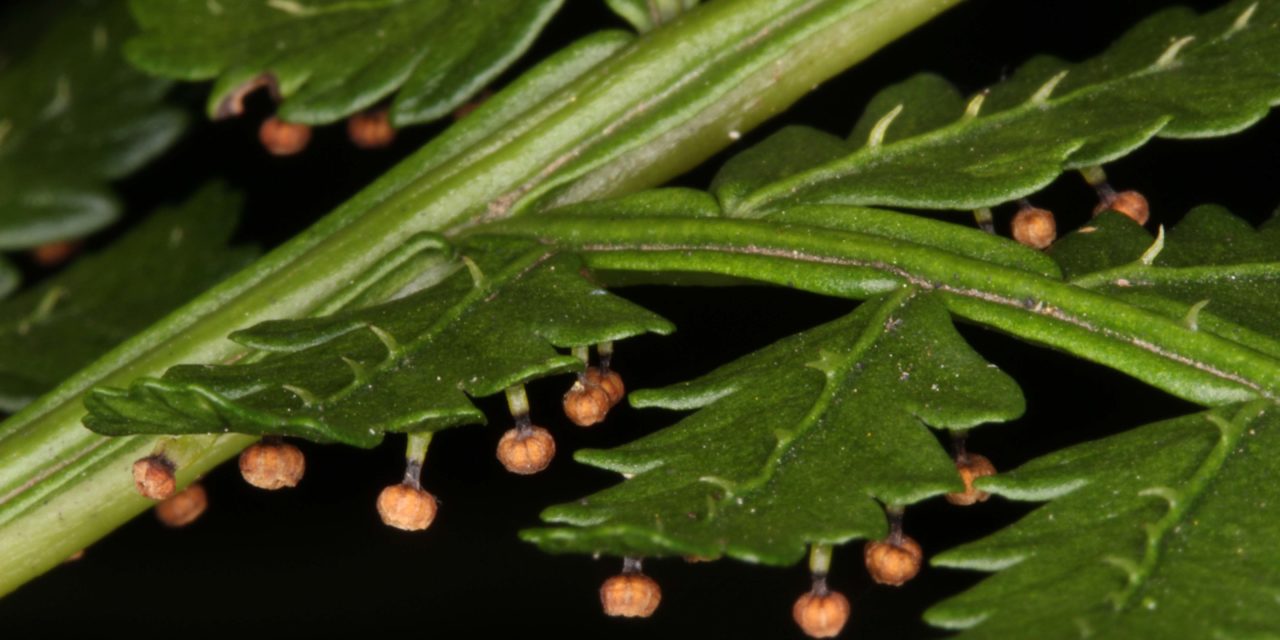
column 826, row 437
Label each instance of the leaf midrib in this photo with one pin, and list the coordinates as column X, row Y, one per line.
column 1136, row 274
column 687, row 241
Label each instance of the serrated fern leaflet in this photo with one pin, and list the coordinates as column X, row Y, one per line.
column 1175, row 75
column 328, row 60
column 802, row 442
column 749, row 474
column 1137, row 527
column 406, row 365
column 1211, row 267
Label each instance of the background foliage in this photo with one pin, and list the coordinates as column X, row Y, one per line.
column 75, row 116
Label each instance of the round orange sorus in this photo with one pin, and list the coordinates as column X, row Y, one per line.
column 406, row 507
column 1130, row 203
column 893, row 564
column 272, row 465
column 282, row 138
column 1034, row 227
column 182, row 508
column 610, row 381
column 526, row 450
column 52, row 254
column 821, row 613
column 630, row 595
column 153, row 477
column 971, row 467
column 586, row 404
column 371, row 129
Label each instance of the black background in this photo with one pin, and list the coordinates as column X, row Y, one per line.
column 316, row 560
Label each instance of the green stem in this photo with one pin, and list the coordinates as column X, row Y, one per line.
column 415, row 455
column 605, row 116
column 518, row 402
column 820, row 559
column 1162, row 351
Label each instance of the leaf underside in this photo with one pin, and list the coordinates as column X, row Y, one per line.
column 749, row 474
column 52, row 330
column 405, row 365
column 329, row 59
column 73, row 116
column 1166, row 531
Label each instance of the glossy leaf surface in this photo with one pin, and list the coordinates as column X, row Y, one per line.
column 483, row 323
column 1212, row 270
column 1175, row 75
column 1163, row 531
column 753, row 473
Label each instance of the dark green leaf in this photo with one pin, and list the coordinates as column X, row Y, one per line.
column 794, row 444
column 1213, row 270
column 789, row 151
column 73, row 115
column 50, row 331
column 1166, row 531
column 1109, row 241
column 1175, row 75
column 329, row 59
column 1211, row 235
column 675, row 202
column 928, row 102
column 406, row 365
